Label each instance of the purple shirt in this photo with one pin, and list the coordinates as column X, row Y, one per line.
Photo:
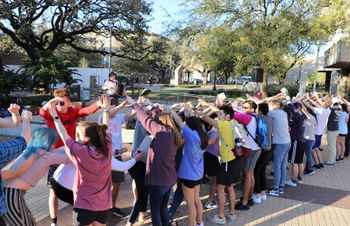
column 93, row 182
column 214, row 149
column 160, row 166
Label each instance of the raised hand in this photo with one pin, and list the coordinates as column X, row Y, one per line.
column 27, row 115
column 104, row 102
column 14, row 109
column 51, row 105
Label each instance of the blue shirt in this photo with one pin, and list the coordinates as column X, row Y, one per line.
column 192, row 165
column 9, row 151
column 214, row 149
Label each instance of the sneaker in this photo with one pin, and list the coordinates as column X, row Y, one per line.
column 281, row 190
column 217, row 220
column 337, row 160
column 309, row 172
column 240, row 206
column 291, row 183
column 117, row 212
column 210, row 205
column 263, row 197
column 273, row 192
column 250, row 202
column 200, row 224
column 321, row 166
column 143, row 216
column 329, row 165
column 256, row 200
column 300, row 180
column 230, row 216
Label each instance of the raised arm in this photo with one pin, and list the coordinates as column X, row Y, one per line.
column 148, row 122
column 176, row 118
column 105, row 104
column 207, row 119
column 26, row 129
column 15, row 119
column 19, row 166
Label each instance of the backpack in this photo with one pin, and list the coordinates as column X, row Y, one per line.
column 240, row 148
column 261, row 135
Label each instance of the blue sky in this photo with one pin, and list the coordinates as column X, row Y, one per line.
column 163, row 11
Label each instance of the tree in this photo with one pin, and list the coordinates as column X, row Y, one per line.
column 46, row 71
column 159, row 63
column 42, row 26
column 272, row 34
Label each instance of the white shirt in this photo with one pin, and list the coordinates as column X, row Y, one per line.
column 322, row 115
column 115, row 129
column 65, row 173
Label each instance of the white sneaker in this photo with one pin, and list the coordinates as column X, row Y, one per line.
column 217, row 220
column 231, row 217
column 256, row 200
column 210, row 205
column 291, row 183
column 263, row 197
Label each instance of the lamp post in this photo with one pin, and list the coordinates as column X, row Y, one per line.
column 317, row 56
column 110, row 25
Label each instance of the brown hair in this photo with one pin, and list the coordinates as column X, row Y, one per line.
column 62, row 92
column 166, row 120
column 98, row 136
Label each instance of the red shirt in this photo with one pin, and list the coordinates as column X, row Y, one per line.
column 68, row 119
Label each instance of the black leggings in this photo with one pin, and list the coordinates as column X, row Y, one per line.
column 260, row 171
column 137, row 173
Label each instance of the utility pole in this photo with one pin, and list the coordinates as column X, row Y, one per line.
column 317, row 56
column 110, row 25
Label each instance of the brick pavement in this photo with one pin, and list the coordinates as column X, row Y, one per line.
column 323, row 199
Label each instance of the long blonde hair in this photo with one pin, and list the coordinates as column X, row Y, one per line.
column 166, row 120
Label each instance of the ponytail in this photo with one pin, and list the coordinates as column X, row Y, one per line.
column 98, row 136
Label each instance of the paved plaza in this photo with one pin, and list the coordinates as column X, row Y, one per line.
column 323, row 199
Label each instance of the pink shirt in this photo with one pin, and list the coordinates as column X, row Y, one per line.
column 92, row 185
column 38, row 169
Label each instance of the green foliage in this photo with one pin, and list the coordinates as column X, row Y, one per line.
column 9, row 80
column 274, row 35
column 159, row 63
column 47, row 71
column 293, row 89
column 40, row 26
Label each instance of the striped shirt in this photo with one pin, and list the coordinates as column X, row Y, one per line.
column 9, row 151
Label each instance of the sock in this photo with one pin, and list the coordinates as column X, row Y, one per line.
column 54, row 220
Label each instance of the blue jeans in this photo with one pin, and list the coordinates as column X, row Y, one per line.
column 280, row 155
column 308, row 150
column 159, row 197
column 178, row 198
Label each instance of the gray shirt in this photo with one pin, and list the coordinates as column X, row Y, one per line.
column 280, row 127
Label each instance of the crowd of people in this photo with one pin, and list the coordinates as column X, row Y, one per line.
column 174, row 147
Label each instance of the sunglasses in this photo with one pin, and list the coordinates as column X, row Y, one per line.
column 60, row 103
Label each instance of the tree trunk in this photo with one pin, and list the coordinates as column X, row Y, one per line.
column 226, row 77
column 205, row 77
column 264, row 84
